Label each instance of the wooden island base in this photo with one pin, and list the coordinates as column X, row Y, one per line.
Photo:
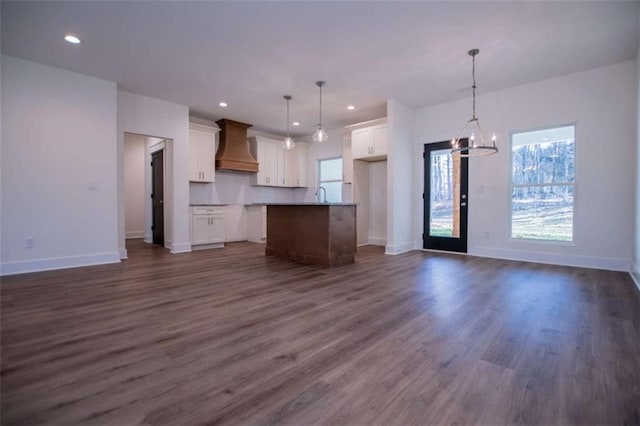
column 313, row 234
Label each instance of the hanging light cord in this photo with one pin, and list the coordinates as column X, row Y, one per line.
column 473, row 74
column 288, row 98
column 320, row 114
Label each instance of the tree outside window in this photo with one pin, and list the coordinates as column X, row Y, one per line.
column 543, row 184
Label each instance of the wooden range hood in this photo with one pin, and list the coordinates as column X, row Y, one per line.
column 233, row 150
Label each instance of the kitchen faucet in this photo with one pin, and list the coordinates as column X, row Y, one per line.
column 325, row 193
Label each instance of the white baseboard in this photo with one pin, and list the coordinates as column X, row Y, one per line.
column 148, row 238
column 180, row 248
column 635, row 274
column 611, row 264
column 398, row 248
column 207, row 246
column 134, row 234
column 377, row 241
column 37, row 265
column 124, row 254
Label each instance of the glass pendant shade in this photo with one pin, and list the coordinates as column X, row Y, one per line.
column 476, row 146
column 320, row 135
column 288, row 142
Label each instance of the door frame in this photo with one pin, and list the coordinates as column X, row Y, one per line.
column 458, row 245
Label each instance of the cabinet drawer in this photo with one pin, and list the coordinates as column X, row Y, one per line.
column 207, row 210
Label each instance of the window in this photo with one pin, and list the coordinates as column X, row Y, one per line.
column 330, row 178
column 543, row 184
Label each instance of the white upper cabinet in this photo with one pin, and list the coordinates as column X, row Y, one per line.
column 270, row 157
column 277, row 166
column 369, row 143
column 347, row 159
column 202, row 153
column 297, row 166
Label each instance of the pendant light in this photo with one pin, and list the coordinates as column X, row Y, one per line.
column 288, row 142
column 320, row 135
column 476, row 144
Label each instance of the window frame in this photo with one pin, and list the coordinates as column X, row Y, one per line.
column 319, row 175
column 574, row 185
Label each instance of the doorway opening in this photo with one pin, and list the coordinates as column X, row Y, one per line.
column 445, row 198
column 145, row 187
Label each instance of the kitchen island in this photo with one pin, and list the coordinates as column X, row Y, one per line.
column 312, row 233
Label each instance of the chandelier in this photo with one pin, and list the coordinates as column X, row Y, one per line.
column 476, row 146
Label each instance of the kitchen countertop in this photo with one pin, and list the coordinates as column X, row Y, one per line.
column 305, row 204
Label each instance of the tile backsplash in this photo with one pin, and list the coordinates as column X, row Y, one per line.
column 235, row 188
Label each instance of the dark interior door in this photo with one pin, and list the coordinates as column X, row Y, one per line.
column 445, row 198
column 157, row 197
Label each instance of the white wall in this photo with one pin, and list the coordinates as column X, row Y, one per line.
column 170, row 121
column 400, row 178
column 635, row 267
column 134, row 185
column 59, row 182
column 601, row 102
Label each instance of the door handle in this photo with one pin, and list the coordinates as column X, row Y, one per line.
column 463, row 204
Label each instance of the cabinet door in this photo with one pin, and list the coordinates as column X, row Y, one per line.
column 216, row 228
column 194, row 171
column 290, row 175
column 208, row 158
column 380, row 141
column 361, row 143
column 280, row 165
column 200, row 229
column 201, row 155
column 301, row 166
column 267, row 157
column 347, row 159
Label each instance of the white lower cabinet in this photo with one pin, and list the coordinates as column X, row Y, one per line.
column 257, row 224
column 207, row 227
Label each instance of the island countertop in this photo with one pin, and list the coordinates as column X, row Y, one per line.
column 304, row 203
column 312, row 233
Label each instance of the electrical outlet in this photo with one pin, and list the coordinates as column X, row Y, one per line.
column 487, row 235
column 30, row 242
column 94, row 186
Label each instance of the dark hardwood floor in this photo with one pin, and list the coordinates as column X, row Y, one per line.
column 233, row 337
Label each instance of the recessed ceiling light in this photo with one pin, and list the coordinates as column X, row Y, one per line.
column 351, row 107
column 295, row 123
column 223, row 104
column 72, row 39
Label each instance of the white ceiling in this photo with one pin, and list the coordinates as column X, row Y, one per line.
column 250, row 54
